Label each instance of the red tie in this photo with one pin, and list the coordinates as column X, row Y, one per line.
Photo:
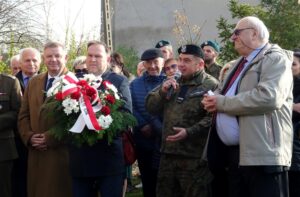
column 235, row 75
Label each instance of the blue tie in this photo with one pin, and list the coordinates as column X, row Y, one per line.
column 49, row 84
column 25, row 80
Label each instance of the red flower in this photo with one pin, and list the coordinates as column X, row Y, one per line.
column 105, row 83
column 110, row 98
column 105, row 110
column 82, row 83
column 90, row 91
column 59, row 96
column 76, row 95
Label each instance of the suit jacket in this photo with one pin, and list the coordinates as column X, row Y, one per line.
column 48, row 172
column 20, row 78
column 10, row 100
column 102, row 159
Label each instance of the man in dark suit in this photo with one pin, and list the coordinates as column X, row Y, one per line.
column 101, row 166
column 10, row 99
column 30, row 60
column 48, row 167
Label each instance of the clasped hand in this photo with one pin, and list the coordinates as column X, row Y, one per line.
column 38, row 141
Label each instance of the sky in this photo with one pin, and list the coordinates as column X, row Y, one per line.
column 83, row 17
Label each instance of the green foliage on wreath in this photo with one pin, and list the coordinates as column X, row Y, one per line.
column 122, row 120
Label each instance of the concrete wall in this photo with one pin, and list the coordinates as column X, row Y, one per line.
column 141, row 23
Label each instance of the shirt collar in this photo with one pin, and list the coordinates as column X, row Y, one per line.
column 254, row 53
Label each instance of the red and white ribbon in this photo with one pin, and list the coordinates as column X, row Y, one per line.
column 88, row 112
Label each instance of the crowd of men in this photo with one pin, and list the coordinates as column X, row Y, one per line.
column 202, row 130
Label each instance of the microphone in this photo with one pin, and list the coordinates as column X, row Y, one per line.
column 171, row 89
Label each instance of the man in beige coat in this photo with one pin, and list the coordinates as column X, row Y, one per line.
column 251, row 138
column 48, row 168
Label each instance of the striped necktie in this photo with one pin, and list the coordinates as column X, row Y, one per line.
column 237, row 72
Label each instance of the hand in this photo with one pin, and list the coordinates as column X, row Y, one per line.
column 168, row 83
column 38, row 141
column 147, row 130
column 210, row 103
column 296, row 107
column 180, row 135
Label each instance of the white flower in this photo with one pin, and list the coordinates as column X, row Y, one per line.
column 70, row 105
column 68, row 110
column 55, row 87
column 105, row 121
column 114, row 89
column 89, row 78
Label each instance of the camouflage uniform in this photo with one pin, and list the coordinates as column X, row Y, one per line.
column 181, row 171
column 213, row 70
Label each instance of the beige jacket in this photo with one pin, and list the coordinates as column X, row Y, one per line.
column 263, row 105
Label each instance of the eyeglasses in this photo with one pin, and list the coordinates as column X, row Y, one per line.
column 237, row 32
column 173, row 66
column 84, row 70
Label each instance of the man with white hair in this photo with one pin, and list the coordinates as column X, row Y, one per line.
column 15, row 64
column 30, row 60
column 251, row 138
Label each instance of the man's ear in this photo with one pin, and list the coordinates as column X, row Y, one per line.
column 109, row 59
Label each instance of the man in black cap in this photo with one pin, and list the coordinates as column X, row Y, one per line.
column 211, row 51
column 147, row 133
column 166, row 49
column 182, row 172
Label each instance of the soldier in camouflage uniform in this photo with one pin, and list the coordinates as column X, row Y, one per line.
column 211, row 51
column 182, row 172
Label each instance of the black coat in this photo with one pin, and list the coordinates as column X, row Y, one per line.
column 296, row 122
column 19, row 76
column 102, row 159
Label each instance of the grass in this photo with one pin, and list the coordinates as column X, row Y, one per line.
column 135, row 192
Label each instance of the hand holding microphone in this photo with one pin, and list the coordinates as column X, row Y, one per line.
column 170, row 85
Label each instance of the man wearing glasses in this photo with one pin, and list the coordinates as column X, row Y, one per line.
column 250, row 142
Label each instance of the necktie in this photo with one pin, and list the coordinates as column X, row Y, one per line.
column 25, row 80
column 235, row 75
column 49, row 84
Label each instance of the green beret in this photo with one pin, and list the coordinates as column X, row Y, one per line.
column 162, row 43
column 191, row 49
column 151, row 54
column 211, row 43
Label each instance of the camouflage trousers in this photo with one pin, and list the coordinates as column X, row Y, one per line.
column 182, row 177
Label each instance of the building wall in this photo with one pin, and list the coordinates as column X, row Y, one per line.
column 141, row 23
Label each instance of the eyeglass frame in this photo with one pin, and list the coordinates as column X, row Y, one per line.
column 84, row 70
column 237, row 32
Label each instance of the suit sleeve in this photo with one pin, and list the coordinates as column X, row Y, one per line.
column 273, row 88
column 24, row 125
column 125, row 93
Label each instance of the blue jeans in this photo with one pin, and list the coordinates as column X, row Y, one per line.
column 108, row 186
